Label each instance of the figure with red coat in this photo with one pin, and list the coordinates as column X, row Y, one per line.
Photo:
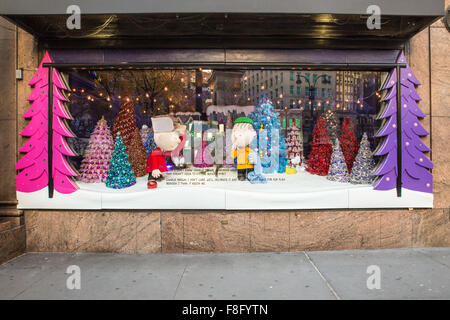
column 170, row 137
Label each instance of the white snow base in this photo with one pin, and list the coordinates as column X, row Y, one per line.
column 200, row 189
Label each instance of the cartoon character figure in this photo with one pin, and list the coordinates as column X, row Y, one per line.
column 170, row 137
column 242, row 136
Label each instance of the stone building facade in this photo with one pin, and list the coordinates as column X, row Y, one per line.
column 128, row 231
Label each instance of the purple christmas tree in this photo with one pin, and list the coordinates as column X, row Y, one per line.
column 415, row 165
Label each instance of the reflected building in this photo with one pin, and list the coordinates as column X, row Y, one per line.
column 292, row 89
column 226, row 88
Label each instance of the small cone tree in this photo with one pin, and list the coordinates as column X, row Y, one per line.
column 150, row 144
column 33, row 166
column 120, row 173
column 98, row 154
column 300, row 140
column 321, row 148
column 332, row 124
column 145, row 131
column 125, row 123
column 293, row 144
column 348, row 142
column 338, row 167
column 137, row 154
column 362, row 171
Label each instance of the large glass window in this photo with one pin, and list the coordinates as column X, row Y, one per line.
column 155, row 92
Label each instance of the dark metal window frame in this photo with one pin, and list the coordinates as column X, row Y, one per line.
column 223, row 65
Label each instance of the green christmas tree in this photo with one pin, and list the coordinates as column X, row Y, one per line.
column 120, row 174
column 364, row 164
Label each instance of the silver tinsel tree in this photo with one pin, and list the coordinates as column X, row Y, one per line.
column 364, row 164
column 338, row 168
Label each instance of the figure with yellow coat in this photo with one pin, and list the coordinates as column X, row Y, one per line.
column 242, row 136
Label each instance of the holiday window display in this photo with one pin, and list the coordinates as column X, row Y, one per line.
column 338, row 167
column 33, row 166
column 224, row 183
column 125, row 123
column 170, row 137
column 120, row 173
column 362, row 170
column 321, row 148
column 415, row 165
column 267, row 123
column 98, row 154
column 348, row 142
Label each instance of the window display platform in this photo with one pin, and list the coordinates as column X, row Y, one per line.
column 200, row 189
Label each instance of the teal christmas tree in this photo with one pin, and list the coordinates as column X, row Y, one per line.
column 267, row 125
column 120, row 174
column 150, row 144
column 338, row 167
column 364, row 164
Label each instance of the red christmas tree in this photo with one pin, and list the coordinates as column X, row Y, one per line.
column 321, row 149
column 98, row 154
column 349, row 143
column 125, row 123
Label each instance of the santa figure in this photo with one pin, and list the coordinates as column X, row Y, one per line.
column 170, row 137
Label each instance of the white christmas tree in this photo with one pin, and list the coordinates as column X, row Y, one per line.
column 294, row 145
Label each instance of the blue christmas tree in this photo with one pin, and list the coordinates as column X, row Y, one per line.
column 150, row 143
column 265, row 118
column 120, row 174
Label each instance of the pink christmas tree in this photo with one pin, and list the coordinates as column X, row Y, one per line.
column 33, row 166
column 98, row 154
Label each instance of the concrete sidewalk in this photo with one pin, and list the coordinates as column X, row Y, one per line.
column 405, row 274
